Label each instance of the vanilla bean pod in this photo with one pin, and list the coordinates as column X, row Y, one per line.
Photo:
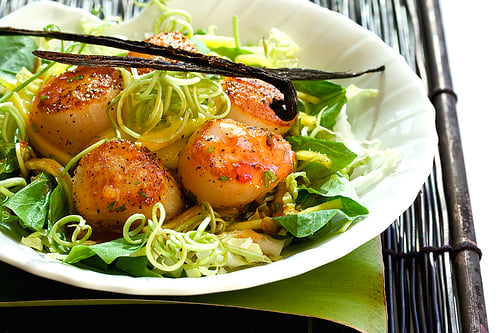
column 193, row 62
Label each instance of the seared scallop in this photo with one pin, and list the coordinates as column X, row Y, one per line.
column 173, row 39
column 70, row 110
column 251, row 103
column 119, row 179
column 230, row 164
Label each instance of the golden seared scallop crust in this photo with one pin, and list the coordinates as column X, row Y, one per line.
column 173, row 39
column 251, row 103
column 230, row 164
column 70, row 109
column 118, row 179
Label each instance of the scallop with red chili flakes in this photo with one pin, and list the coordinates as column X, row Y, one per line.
column 118, row 179
column 230, row 164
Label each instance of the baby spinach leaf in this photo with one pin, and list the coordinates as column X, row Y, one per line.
column 331, row 186
column 303, row 225
column 135, row 266
column 108, row 251
column 58, row 205
column 331, row 99
column 200, row 45
column 31, row 203
column 338, row 156
column 321, row 201
column 9, row 225
column 230, row 52
column 15, row 53
column 8, row 159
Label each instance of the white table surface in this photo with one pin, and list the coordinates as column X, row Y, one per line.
column 472, row 37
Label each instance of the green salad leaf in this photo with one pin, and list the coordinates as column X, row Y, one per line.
column 16, row 54
column 8, row 159
column 303, row 225
column 108, row 251
column 326, row 192
column 318, row 157
column 230, row 52
column 331, row 98
column 31, row 203
column 322, row 200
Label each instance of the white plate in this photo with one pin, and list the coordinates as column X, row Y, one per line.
column 402, row 118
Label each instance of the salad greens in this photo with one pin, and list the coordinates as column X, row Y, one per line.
column 332, row 169
column 16, row 54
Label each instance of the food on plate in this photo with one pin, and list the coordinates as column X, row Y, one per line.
column 172, row 38
column 119, row 179
column 230, row 164
column 70, row 109
column 251, row 101
column 166, row 173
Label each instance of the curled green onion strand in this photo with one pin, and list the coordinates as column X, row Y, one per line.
column 158, row 106
column 11, row 132
column 8, row 183
column 171, row 19
column 77, row 157
column 197, row 252
column 175, row 20
column 22, row 154
column 79, row 225
column 128, row 234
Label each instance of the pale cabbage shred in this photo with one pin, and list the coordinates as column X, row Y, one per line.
column 276, row 50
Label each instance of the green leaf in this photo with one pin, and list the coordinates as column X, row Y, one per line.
column 201, row 46
column 337, row 154
column 9, row 225
column 304, row 225
column 8, row 159
column 320, row 202
column 31, row 203
column 58, row 205
column 331, row 186
column 332, row 97
column 15, row 53
column 230, row 52
column 135, row 266
column 108, row 251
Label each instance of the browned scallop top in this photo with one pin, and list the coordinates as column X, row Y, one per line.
column 235, row 151
column 173, row 39
column 121, row 175
column 255, row 96
column 77, row 88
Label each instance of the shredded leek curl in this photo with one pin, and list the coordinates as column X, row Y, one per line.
column 158, row 106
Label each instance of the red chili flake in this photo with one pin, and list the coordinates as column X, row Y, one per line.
column 243, row 172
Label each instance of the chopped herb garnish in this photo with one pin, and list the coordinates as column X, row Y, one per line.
column 223, row 178
column 78, row 77
column 111, row 206
column 143, row 194
column 269, row 177
column 210, row 150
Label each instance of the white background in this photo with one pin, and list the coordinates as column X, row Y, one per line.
column 472, row 35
